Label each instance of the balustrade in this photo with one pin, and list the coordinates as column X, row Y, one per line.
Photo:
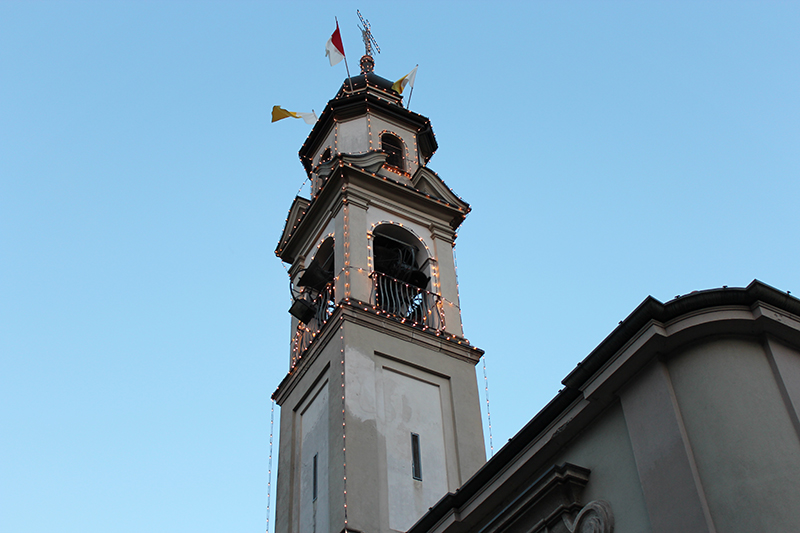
column 392, row 297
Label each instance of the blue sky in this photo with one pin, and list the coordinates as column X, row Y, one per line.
column 610, row 151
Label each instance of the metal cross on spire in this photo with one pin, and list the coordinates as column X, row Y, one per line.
column 366, row 35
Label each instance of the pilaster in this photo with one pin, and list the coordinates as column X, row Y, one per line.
column 673, row 493
column 443, row 243
column 356, row 252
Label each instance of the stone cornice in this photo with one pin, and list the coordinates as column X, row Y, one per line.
column 347, row 180
column 354, row 312
column 545, row 503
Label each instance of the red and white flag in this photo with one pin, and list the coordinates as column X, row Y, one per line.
column 334, row 49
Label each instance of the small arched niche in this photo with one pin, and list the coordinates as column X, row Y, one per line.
column 395, row 150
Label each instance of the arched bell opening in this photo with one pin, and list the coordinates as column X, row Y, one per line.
column 402, row 274
column 395, row 151
column 400, row 254
column 312, row 293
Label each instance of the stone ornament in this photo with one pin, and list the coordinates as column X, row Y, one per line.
column 595, row 517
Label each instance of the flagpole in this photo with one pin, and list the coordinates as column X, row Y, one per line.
column 408, row 106
column 345, row 61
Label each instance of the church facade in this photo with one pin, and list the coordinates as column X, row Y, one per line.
column 684, row 419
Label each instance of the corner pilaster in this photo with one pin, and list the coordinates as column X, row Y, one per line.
column 444, row 243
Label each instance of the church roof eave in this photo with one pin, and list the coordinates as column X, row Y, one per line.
column 651, row 309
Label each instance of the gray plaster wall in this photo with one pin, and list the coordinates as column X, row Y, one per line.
column 314, row 430
column 605, row 449
column 311, row 422
column 743, row 437
column 664, row 460
column 395, row 387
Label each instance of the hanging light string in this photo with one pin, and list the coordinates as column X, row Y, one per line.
column 303, row 185
column 488, row 411
column 344, row 427
column 485, row 378
column 269, row 468
column 458, row 287
column 346, row 229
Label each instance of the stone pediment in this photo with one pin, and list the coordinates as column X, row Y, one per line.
column 296, row 213
column 428, row 182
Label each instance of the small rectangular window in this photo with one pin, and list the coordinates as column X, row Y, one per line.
column 416, row 459
column 314, row 489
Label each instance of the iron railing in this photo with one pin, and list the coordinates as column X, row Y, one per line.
column 410, row 304
column 392, row 297
column 324, row 305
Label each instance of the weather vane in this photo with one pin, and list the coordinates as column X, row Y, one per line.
column 366, row 35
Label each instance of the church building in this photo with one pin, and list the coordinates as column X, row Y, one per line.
column 684, row 419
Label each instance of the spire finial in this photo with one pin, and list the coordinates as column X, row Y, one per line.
column 366, row 36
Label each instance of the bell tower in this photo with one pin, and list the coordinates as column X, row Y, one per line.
column 380, row 414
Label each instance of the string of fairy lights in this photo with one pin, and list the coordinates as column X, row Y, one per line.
column 301, row 215
column 269, row 467
column 344, row 427
column 304, row 331
column 485, row 376
column 488, row 411
column 346, row 230
column 369, row 129
column 318, row 187
column 306, row 335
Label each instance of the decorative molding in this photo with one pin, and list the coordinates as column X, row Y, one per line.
column 353, row 312
column 595, row 517
column 544, row 505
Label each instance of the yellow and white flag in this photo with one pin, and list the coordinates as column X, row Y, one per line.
column 408, row 79
column 279, row 113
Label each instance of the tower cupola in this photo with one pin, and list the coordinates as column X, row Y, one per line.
column 366, row 118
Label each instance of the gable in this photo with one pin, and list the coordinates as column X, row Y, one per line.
column 428, row 182
column 296, row 214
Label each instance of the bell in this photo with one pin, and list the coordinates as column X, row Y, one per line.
column 302, row 310
column 418, row 278
column 315, row 277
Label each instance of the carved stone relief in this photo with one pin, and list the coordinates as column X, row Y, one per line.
column 595, row 517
